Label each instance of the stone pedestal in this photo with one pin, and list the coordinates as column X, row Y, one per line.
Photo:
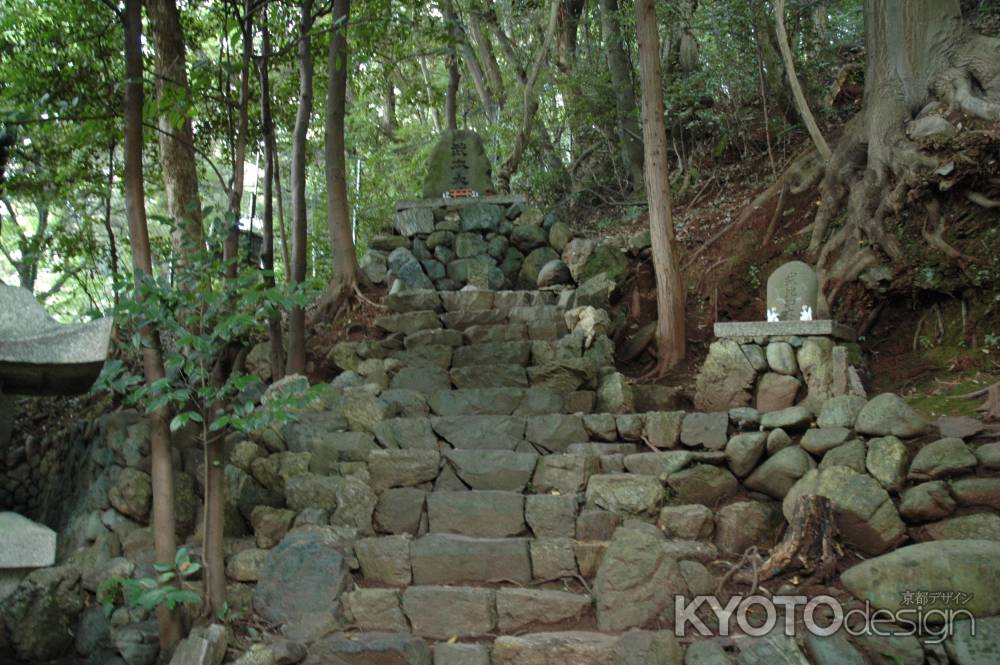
column 774, row 365
column 24, row 546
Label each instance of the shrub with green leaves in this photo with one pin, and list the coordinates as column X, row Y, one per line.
column 169, row 588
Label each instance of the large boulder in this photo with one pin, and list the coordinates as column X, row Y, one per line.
column 304, row 575
column 626, row 493
column 41, row 614
column 726, row 379
column 532, row 266
column 636, row 582
column 888, row 414
column 888, row 581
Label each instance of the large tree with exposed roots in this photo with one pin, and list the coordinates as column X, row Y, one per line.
column 919, row 52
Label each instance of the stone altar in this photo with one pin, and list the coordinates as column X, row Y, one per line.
column 787, row 360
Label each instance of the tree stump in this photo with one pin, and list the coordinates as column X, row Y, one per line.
column 810, row 544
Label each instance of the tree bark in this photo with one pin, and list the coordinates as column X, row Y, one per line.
column 232, row 245
column 621, row 80
column 164, row 539
column 300, row 230
column 485, row 48
column 917, row 52
column 670, row 294
column 389, row 123
column 793, row 81
column 267, row 252
column 435, row 110
column 338, row 213
column 177, row 157
column 511, row 164
column 108, row 228
column 451, row 97
column 569, row 20
column 282, row 227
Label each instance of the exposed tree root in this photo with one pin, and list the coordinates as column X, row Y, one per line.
column 810, row 544
column 982, row 200
column 876, row 169
column 992, row 404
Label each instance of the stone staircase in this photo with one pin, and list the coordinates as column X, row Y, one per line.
column 497, row 451
column 481, row 486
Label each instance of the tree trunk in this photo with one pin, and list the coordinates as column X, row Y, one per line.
column 917, row 52
column 152, row 361
column 338, row 213
column 451, row 98
column 621, row 80
column 771, row 56
column 569, row 19
column 108, row 228
column 793, row 80
column 435, row 110
column 511, row 164
column 267, row 251
column 286, row 257
column 232, row 247
column 177, row 157
column 670, row 295
column 300, row 230
column 485, row 48
column 389, row 123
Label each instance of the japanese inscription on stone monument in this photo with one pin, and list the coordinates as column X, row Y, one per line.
column 790, row 289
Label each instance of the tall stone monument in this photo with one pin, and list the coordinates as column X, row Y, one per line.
column 458, row 161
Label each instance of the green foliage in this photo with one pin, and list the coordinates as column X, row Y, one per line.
column 168, row 588
column 201, row 316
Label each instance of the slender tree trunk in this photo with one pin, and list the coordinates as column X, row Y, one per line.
column 451, row 98
column 108, row 228
column 142, row 265
column 793, row 81
column 459, row 36
column 511, row 164
column 773, row 66
column 486, row 55
column 435, row 111
column 232, row 246
column 389, row 122
column 300, row 229
column 338, row 213
column 286, row 256
column 177, row 157
column 267, row 258
column 621, row 81
column 670, row 296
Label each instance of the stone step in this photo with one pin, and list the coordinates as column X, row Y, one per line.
column 582, row 646
column 450, row 301
column 412, row 322
column 450, row 612
column 438, row 559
